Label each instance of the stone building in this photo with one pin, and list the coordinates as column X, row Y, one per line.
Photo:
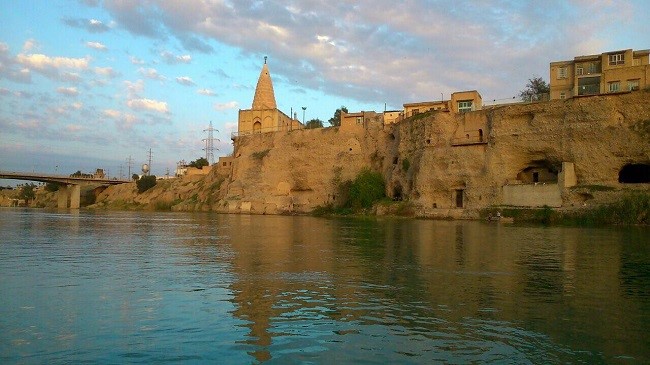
column 264, row 116
column 460, row 102
column 608, row 72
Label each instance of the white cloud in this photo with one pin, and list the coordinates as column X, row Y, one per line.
column 43, row 62
column 226, row 106
column 134, row 89
column 96, row 45
column 90, row 25
column 151, row 73
column 148, row 104
column 185, row 80
column 68, row 91
column 29, row 45
column 136, row 60
column 111, row 113
column 172, row 59
column 206, row 92
column 123, row 121
column 106, row 72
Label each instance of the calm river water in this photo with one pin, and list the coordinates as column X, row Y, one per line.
column 114, row 287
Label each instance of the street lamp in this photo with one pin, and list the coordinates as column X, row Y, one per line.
column 303, row 116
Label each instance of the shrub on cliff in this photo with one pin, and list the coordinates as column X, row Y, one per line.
column 145, row 183
column 366, row 189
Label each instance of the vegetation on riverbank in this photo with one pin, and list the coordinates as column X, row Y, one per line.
column 632, row 209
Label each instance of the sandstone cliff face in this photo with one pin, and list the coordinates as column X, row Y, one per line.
column 445, row 164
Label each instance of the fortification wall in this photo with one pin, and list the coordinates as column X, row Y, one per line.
column 429, row 159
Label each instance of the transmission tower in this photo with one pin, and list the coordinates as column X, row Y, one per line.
column 209, row 144
column 129, row 162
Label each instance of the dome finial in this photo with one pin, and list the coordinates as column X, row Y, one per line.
column 265, row 57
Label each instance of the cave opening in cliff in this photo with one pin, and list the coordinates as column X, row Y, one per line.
column 397, row 193
column 634, row 174
column 540, row 171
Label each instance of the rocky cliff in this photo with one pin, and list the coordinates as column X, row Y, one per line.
column 559, row 153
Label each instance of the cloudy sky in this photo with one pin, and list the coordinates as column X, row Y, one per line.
column 88, row 83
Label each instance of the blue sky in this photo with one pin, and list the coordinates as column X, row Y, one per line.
column 86, row 84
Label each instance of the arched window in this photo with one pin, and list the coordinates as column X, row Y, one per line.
column 257, row 127
column 634, row 174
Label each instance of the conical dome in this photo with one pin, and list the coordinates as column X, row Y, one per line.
column 264, row 95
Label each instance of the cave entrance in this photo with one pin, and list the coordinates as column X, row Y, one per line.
column 634, row 174
column 397, row 193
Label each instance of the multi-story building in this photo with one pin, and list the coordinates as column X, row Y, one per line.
column 616, row 71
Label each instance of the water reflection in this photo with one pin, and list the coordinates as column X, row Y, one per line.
column 236, row 288
column 457, row 289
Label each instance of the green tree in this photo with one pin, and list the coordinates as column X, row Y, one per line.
column 536, row 90
column 199, row 162
column 314, row 123
column 135, row 177
column 27, row 192
column 145, row 183
column 335, row 121
column 52, row 187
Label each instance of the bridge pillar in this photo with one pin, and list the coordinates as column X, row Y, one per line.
column 75, row 196
column 62, row 197
column 69, row 192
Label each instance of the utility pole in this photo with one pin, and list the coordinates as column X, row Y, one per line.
column 209, row 144
column 303, row 116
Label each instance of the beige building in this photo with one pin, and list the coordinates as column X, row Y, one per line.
column 361, row 119
column 264, row 116
column 609, row 72
column 460, row 102
column 392, row 116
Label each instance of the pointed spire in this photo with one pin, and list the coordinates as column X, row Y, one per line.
column 264, row 95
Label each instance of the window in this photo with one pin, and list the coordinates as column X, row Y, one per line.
column 561, row 73
column 562, row 95
column 636, row 62
column 633, row 84
column 416, row 111
column 579, row 71
column 616, row 59
column 614, row 86
column 593, row 68
column 464, row 106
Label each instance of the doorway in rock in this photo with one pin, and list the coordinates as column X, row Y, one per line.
column 459, row 198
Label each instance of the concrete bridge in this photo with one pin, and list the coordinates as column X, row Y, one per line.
column 70, row 189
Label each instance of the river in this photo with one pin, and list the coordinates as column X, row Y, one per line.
column 137, row 287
